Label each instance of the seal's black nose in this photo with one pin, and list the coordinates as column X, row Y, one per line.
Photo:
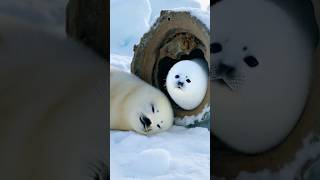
column 180, row 83
column 145, row 121
column 224, row 69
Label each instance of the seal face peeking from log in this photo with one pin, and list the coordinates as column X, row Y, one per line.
column 136, row 105
column 262, row 68
column 187, row 83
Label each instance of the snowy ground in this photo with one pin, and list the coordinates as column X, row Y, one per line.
column 179, row 153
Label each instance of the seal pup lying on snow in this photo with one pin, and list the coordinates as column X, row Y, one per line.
column 136, row 105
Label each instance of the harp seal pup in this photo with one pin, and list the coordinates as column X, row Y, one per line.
column 136, row 105
column 187, row 83
column 262, row 57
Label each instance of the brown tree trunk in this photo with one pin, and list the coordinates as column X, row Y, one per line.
column 88, row 22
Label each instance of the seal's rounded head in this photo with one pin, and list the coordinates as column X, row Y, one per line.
column 151, row 112
column 186, row 84
column 261, row 73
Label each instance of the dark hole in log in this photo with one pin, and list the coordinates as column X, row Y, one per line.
column 165, row 65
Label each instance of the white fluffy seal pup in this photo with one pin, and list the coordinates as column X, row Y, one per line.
column 187, row 83
column 262, row 58
column 136, row 105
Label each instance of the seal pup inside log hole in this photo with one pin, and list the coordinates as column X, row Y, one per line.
column 187, row 83
column 136, row 105
column 262, row 56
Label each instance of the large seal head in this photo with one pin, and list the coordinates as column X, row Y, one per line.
column 262, row 59
column 187, row 83
column 136, row 105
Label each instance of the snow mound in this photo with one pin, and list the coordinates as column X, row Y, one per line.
column 121, row 62
column 129, row 20
column 179, row 153
column 152, row 162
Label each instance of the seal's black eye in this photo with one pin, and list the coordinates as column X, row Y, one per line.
column 245, row 48
column 177, row 76
column 188, row 80
column 251, row 61
column 152, row 107
column 215, row 47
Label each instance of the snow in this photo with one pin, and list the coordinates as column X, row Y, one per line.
column 157, row 161
column 120, row 62
column 203, row 16
column 129, row 20
column 178, row 154
column 189, row 120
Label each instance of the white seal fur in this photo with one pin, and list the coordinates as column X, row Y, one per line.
column 187, row 83
column 136, row 105
column 262, row 63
